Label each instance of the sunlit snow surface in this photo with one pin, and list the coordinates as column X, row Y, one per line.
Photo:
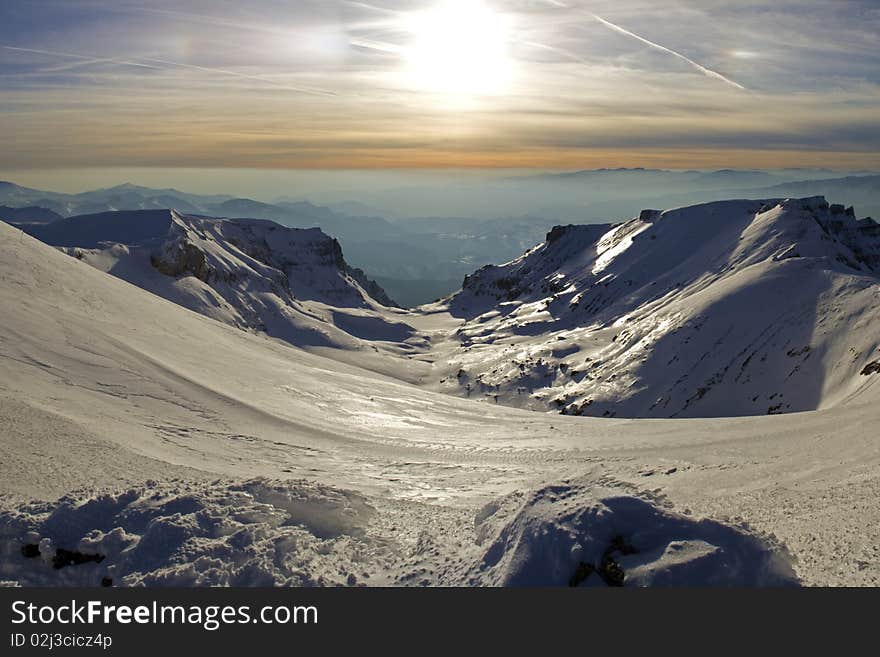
column 260, row 533
column 272, row 465
column 725, row 309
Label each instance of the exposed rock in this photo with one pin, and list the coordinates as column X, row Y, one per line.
column 557, row 233
column 64, row 558
column 583, row 572
column 182, row 257
column 30, row 551
column 871, row 368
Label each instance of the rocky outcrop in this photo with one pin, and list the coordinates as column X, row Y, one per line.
column 289, row 261
column 182, row 258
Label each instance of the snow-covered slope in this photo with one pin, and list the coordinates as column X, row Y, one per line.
column 169, row 448
column 293, row 284
column 727, row 308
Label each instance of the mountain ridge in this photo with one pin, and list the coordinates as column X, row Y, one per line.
column 290, row 283
column 725, row 308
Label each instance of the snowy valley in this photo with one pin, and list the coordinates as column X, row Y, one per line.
column 199, row 401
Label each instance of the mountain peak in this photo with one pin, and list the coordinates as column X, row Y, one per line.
column 250, row 273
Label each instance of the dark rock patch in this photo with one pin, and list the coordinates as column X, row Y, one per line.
column 64, row 558
column 609, row 570
column 30, row 551
column 871, row 368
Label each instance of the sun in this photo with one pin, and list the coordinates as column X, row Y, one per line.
column 459, row 47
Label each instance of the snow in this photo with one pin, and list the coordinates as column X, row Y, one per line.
column 557, row 531
column 146, row 432
column 251, row 534
column 292, row 284
column 263, row 533
column 723, row 309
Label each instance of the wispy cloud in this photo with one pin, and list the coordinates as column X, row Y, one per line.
column 314, row 83
column 159, row 64
column 245, row 76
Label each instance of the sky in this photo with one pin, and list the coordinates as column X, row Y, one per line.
column 390, row 84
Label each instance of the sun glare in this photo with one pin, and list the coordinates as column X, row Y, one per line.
column 459, row 47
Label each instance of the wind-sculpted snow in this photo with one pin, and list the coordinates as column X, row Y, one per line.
column 728, row 308
column 251, row 534
column 578, row 535
column 262, row 533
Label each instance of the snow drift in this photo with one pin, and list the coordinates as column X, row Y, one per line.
column 262, row 533
column 255, row 533
column 578, row 535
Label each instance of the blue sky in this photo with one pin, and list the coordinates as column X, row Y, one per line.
column 532, row 83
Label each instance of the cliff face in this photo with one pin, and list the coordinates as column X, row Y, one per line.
column 299, row 264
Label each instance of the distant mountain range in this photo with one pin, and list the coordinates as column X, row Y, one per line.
column 419, row 260
column 32, row 214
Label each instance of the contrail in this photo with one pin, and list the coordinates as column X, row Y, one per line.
column 559, row 51
column 364, row 5
column 151, row 63
column 206, row 20
column 84, row 58
column 708, row 72
column 376, row 45
column 259, row 78
column 702, row 69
